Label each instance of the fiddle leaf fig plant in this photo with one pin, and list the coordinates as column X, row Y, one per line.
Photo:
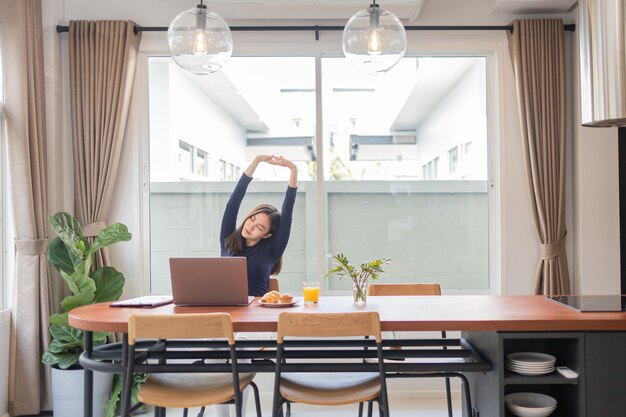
column 72, row 255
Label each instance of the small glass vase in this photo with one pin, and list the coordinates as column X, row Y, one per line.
column 359, row 293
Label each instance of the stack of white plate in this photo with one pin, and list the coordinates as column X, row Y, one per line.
column 530, row 404
column 530, row 363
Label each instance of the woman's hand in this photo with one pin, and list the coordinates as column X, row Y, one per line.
column 279, row 160
column 275, row 160
column 256, row 161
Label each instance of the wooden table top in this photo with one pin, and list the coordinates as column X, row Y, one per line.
column 397, row 313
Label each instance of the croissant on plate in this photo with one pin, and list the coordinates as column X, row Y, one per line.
column 271, row 297
column 274, row 297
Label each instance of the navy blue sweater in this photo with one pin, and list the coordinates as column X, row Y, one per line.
column 261, row 257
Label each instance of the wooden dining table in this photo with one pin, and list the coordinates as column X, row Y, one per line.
column 397, row 313
column 473, row 315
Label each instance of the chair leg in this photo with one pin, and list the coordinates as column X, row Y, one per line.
column 277, row 406
column 370, row 409
column 449, row 397
column 383, row 411
column 360, row 409
column 288, row 410
column 201, row 413
column 467, row 395
column 185, row 411
column 257, row 400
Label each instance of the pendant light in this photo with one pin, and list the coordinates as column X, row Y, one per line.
column 374, row 40
column 199, row 40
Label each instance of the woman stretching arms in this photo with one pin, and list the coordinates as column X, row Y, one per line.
column 264, row 233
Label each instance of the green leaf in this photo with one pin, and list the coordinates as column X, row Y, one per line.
column 74, row 301
column 114, row 233
column 114, row 398
column 138, row 380
column 100, row 337
column 68, row 360
column 58, row 319
column 109, row 284
column 59, row 256
column 78, row 282
column 66, row 334
column 370, row 269
column 58, row 346
column 70, row 232
column 50, row 358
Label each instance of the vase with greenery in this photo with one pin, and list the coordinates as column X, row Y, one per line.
column 360, row 276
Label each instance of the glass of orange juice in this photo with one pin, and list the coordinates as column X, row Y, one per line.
column 311, row 291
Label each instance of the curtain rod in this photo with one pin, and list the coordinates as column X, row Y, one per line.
column 318, row 28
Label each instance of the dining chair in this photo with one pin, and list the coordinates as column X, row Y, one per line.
column 186, row 390
column 414, row 289
column 273, row 284
column 328, row 388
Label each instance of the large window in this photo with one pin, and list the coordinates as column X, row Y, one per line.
column 404, row 158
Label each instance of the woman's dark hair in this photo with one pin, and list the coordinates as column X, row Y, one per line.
column 235, row 243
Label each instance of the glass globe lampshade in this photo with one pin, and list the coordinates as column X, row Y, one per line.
column 199, row 40
column 374, row 40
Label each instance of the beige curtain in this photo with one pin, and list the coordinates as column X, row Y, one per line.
column 537, row 51
column 103, row 57
column 22, row 53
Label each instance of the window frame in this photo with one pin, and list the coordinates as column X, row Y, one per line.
column 488, row 45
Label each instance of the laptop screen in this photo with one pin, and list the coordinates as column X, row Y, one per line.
column 209, row 281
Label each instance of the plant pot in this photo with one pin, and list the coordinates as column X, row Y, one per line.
column 68, row 388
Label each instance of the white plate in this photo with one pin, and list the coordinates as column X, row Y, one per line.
column 529, row 368
column 279, row 305
column 531, row 358
column 530, row 404
column 521, row 365
column 531, row 373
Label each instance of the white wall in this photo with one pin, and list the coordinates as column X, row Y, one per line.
column 458, row 118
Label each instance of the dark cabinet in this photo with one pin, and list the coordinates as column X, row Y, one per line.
column 488, row 389
column 605, row 378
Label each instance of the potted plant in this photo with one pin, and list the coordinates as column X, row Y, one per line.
column 74, row 258
column 360, row 277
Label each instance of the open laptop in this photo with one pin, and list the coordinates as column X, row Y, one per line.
column 220, row 281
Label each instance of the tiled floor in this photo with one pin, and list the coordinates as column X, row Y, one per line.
column 399, row 408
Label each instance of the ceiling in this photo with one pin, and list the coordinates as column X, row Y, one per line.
column 497, row 6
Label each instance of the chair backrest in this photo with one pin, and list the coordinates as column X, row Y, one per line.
column 403, row 289
column 273, row 285
column 181, row 326
column 366, row 323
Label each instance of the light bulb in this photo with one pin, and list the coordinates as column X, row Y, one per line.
column 374, row 45
column 374, row 40
column 200, row 42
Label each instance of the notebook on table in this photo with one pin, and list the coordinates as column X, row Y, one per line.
column 147, row 301
column 219, row 281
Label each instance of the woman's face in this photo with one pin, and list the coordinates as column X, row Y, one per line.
column 256, row 227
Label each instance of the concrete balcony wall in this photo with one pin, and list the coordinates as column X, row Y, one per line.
column 433, row 231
